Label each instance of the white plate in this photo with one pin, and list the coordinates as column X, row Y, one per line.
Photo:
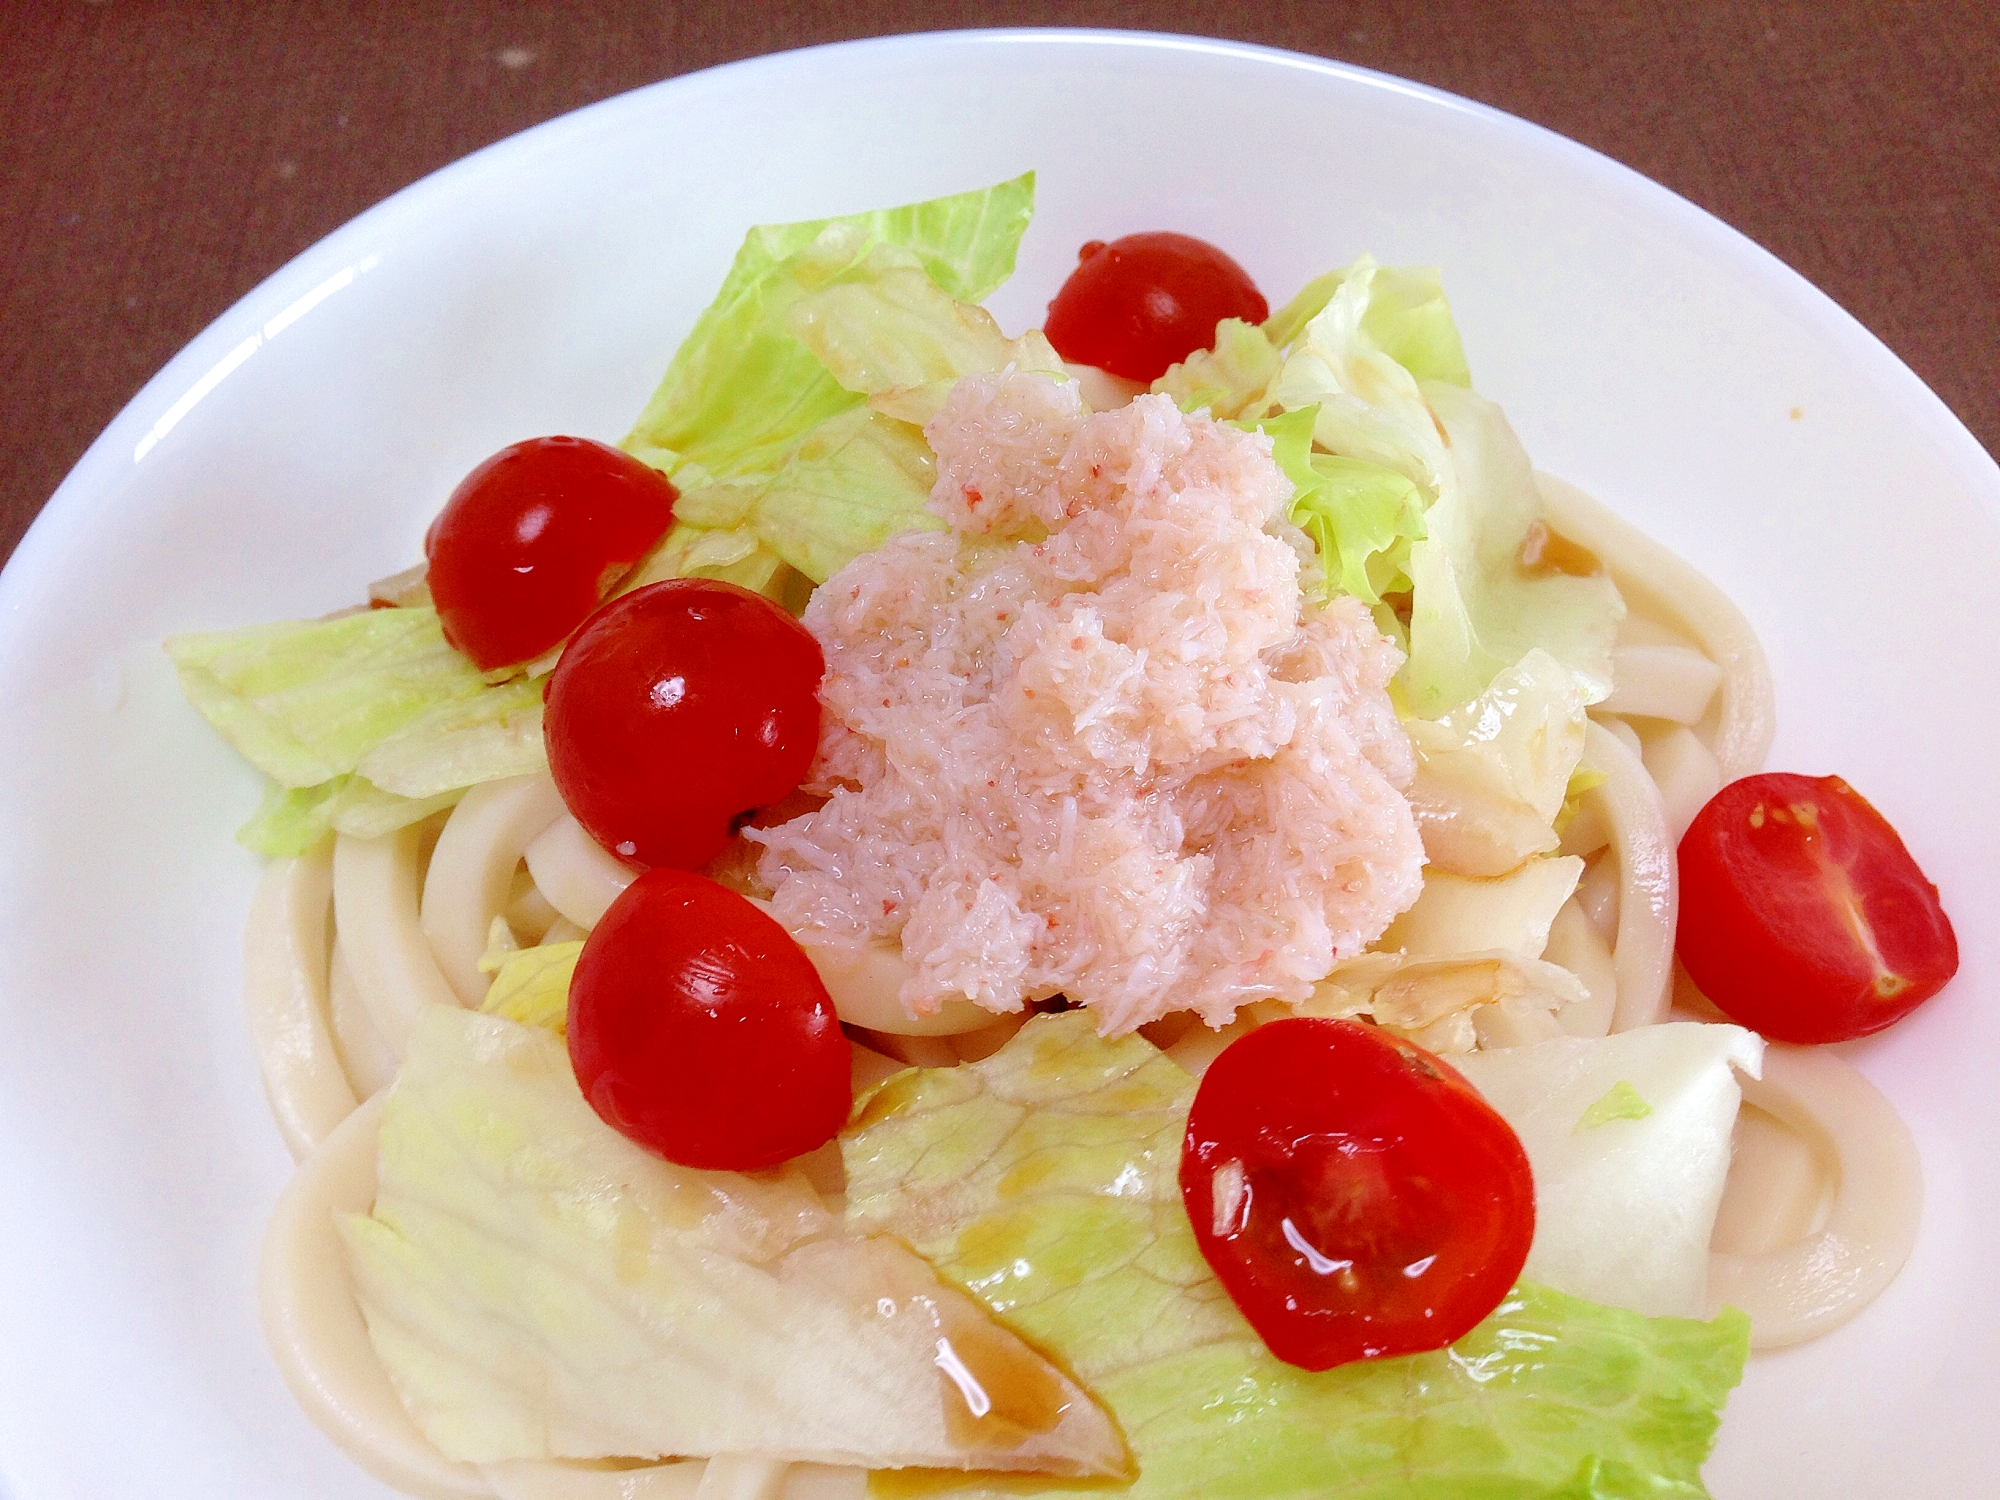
column 298, row 447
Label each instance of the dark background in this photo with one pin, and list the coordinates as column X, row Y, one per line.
column 157, row 160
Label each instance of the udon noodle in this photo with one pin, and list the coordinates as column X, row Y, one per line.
column 346, row 947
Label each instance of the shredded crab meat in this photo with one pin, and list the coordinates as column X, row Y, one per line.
column 1092, row 741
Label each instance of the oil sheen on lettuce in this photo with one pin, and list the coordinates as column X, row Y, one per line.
column 1044, row 1180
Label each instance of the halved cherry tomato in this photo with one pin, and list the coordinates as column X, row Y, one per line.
column 1142, row 303
column 532, row 539
column 699, row 1029
column 1802, row 914
column 1354, row 1195
column 676, row 712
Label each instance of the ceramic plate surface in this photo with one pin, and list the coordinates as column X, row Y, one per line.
column 297, row 449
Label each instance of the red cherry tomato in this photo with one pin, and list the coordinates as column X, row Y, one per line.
column 1148, row 301
column 699, row 1029
column 678, row 710
column 1354, row 1195
column 532, row 539
column 1802, row 914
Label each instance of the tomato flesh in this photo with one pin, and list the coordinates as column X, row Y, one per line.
column 1355, row 1196
column 1802, row 914
column 530, row 540
column 677, row 711
column 1138, row 305
column 699, row 1029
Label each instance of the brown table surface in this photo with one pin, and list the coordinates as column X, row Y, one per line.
column 159, row 159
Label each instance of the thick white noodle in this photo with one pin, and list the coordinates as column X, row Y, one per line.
column 529, row 913
column 1648, row 882
column 1576, row 944
column 1658, row 582
column 1684, row 769
column 738, row 1476
column 367, row 1060
column 316, row 1331
column 285, row 995
column 1624, row 733
column 471, row 876
column 375, row 895
column 1661, row 682
column 1597, row 893
column 573, row 871
column 865, row 985
column 1810, row 1287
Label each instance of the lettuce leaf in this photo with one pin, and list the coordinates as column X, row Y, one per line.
column 538, row 1286
column 1229, row 379
column 731, row 552
column 532, row 986
column 365, row 722
column 1361, row 517
column 1404, row 313
column 762, row 418
column 1475, row 609
column 899, row 339
column 1370, row 406
column 1044, row 1180
column 742, row 388
column 852, row 483
column 304, row 700
column 295, row 821
column 1414, row 483
column 1624, row 1209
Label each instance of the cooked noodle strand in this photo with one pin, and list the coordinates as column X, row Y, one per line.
column 1656, row 580
column 471, row 876
column 578, row 877
column 1802, row 1290
column 365, row 1057
column 316, row 1331
column 375, row 894
column 285, row 995
column 1648, row 886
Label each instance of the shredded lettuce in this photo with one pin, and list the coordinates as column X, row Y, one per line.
column 1619, row 1102
column 1044, row 1180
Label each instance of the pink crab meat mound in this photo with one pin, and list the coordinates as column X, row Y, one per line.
column 1092, row 740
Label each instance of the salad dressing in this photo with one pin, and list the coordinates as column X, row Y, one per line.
column 1546, row 553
